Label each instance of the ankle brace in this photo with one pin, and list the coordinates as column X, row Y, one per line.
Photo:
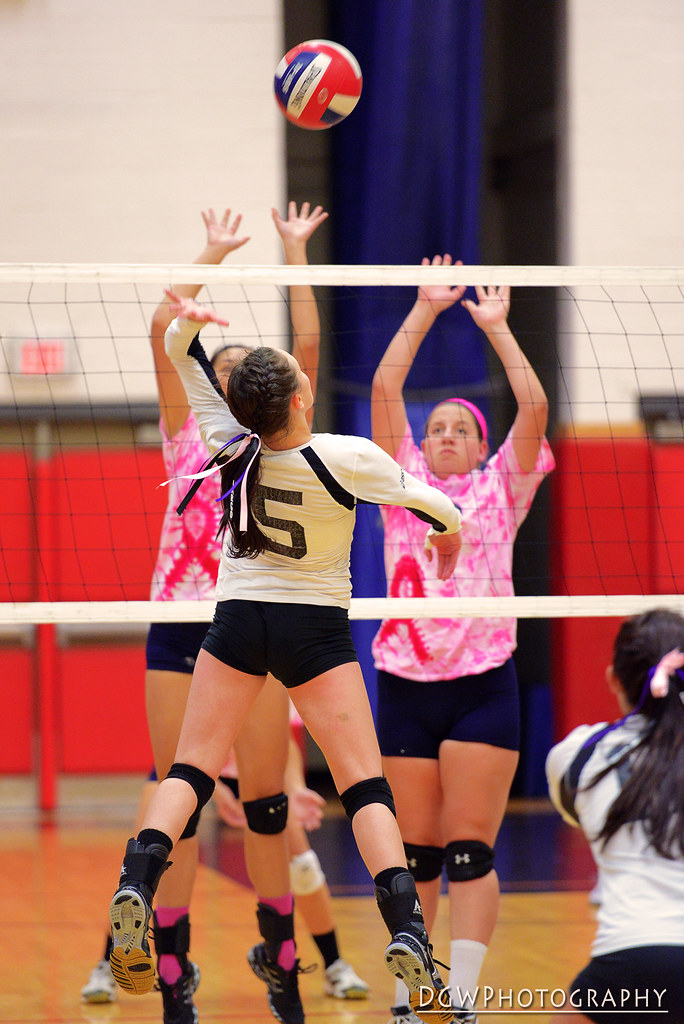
column 398, row 901
column 274, row 929
column 173, row 940
column 143, row 866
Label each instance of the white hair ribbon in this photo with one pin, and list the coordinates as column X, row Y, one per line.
column 242, row 479
column 213, row 465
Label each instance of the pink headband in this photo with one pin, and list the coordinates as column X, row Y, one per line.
column 482, row 423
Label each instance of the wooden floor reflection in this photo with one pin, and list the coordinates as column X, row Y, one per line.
column 57, row 878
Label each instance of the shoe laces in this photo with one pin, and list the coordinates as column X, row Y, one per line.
column 279, row 974
column 439, row 962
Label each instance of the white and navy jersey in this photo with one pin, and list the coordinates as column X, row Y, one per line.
column 306, row 499
column 642, row 893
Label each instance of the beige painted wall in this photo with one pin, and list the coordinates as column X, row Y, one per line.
column 120, row 123
column 622, row 202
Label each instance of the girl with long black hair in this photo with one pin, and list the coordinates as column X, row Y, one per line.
column 623, row 784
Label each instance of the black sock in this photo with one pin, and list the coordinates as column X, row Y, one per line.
column 327, row 946
column 153, row 837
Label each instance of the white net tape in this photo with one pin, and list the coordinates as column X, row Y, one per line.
column 330, row 274
column 547, row 607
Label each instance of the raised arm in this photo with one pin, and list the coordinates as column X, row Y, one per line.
column 388, row 411
column 376, row 478
column 222, row 238
column 295, row 232
column 204, row 395
column 490, row 313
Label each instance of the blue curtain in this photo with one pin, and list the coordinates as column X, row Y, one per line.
column 406, row 169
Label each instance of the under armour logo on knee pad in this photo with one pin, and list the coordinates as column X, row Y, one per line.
column 467, row 859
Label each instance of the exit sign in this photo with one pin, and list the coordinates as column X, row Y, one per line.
column 42, row 356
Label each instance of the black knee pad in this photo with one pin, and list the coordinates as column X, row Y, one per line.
column 203, row 786
column 202, row 783
column 424, row 862
column 267, row 816
column 467, row 859
column 369, row 791
column 191, row 828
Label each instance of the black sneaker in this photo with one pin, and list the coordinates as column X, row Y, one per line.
column 177, row 998
column 130, row 958
column 283, row 988
column 409, row 957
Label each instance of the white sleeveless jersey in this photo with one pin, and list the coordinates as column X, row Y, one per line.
column 306, row 498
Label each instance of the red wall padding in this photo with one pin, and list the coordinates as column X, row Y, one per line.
column 616, row 529
column 98, row 516
column 104, row 512
column 102, row 709
column 16, row 721
column 617, row 516
column 17, row 546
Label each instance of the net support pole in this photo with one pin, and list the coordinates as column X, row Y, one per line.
column 46, row 670
column 46, row 647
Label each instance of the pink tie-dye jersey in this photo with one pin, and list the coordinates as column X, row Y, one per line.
column 189, row 554
column 494, row 501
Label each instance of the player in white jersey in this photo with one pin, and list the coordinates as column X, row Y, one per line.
column 623, row 785
column 186, row 568
column 283, row 595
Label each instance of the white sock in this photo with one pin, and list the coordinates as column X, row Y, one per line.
column 466, row 963
column 401, row 994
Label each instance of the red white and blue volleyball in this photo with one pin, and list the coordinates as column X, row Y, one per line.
column 317, row 84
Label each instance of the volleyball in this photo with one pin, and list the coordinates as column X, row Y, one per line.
column 317, row 84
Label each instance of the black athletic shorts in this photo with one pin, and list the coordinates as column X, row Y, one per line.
column 414, row 718
column 174, row 646
column 622, row 987
column 295, row 642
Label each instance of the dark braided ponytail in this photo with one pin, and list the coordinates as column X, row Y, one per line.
column 259, row 393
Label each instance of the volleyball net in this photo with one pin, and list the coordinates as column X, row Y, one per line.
column 80, row 463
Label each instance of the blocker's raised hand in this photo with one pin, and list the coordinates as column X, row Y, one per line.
column 223, row 233
column 492, row 306
column 440, row 296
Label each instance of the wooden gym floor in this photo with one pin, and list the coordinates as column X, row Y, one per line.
column 57, row 874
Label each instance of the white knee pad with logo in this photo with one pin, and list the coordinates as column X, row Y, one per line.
column 306, row 874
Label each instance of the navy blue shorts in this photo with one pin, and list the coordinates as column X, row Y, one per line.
column 630, row 980
column 295, row 642
column 414, row 718
column 174, row 646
